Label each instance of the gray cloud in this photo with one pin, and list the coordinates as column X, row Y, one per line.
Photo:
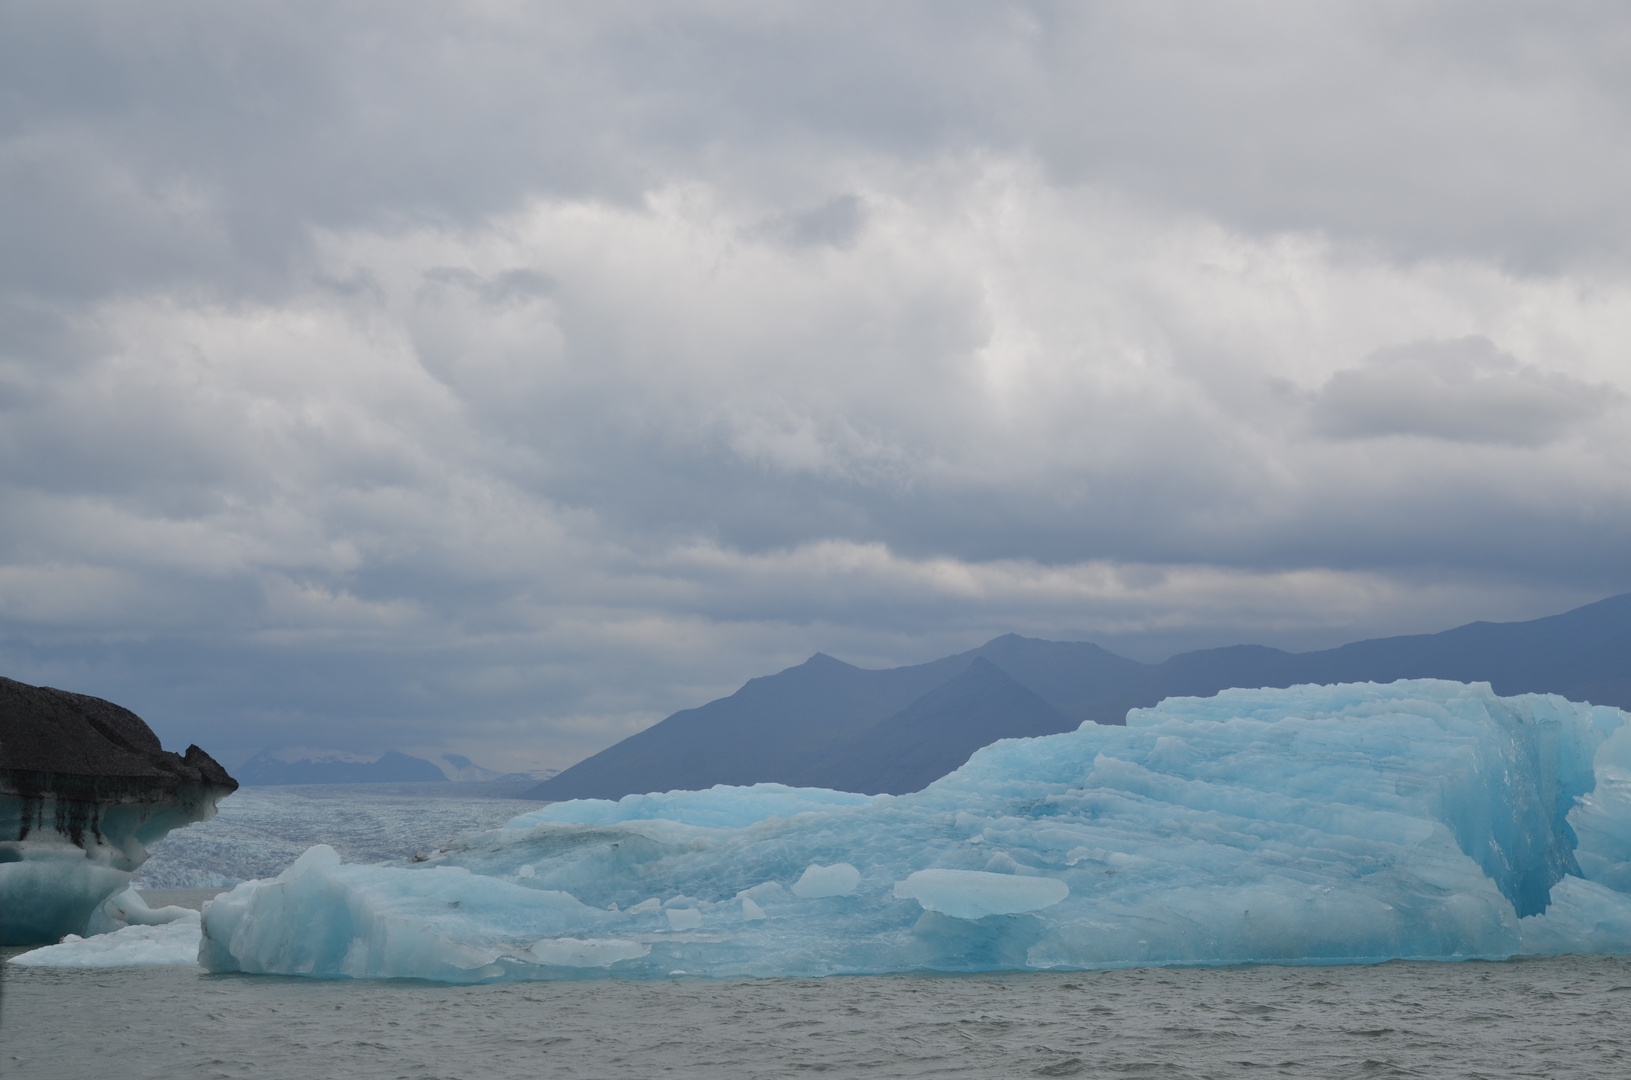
column 205, row 141
column 1463, row 391
column 836, row 222
column 502, row 380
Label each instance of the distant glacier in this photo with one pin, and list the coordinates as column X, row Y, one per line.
column 1317, row 824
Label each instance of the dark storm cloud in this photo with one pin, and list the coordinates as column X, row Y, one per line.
column 500, row 378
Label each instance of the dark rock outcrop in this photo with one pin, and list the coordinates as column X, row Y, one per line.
column 85, row 785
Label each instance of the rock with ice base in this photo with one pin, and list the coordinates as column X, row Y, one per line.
column 1317, row 824
column 85, row 786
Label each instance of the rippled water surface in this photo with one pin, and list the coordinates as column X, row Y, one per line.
column 259, row 831
column 1563, row 1017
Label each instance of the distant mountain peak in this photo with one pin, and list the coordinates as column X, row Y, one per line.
column 936, row 733
column 834, row 724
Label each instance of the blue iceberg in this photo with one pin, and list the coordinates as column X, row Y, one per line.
column 1319, row 824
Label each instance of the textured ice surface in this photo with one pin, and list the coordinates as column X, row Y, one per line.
column 1583, row 917
column 1316, row 824
column 974, row 894
column 1323, row 824
column 127, row 908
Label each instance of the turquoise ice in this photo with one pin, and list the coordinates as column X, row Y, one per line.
column 1339, row 824
column 1334, row 824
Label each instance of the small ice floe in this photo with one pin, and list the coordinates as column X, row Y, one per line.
column 133, row 946
column 817, row 881
column 125, row 932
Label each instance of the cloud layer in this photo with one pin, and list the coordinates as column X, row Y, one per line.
column 500, row 379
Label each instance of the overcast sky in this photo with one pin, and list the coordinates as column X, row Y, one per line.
column 500, row 378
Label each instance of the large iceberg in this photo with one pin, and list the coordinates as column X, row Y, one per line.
column 1335, row 824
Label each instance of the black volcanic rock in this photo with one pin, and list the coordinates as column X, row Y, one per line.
column 793, row 726
column 85, row 785
column 54, row 741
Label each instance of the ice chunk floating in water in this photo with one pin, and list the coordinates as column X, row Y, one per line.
column 125, row 932
column 818, row 881
column 136, row 945
column 1316, row 824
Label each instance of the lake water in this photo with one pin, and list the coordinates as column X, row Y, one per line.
column 259, row 831
column 1558, row 1016
column 1562, row 1017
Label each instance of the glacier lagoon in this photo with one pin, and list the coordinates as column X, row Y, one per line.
column 1315, row 825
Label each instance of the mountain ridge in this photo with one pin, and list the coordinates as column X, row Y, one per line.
column 790, row 725
column 937, row 733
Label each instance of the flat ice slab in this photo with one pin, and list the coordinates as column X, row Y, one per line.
column 132, row 946
column 1344, row 824
column 125, row 932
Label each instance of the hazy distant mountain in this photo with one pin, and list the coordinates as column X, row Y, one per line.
column 828, row 722
column 266, row 768
column 460, row 768
column 768, row 730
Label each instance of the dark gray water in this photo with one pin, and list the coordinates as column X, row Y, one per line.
column 1562, row 1017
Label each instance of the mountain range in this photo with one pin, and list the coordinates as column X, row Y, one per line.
column 825, row 723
